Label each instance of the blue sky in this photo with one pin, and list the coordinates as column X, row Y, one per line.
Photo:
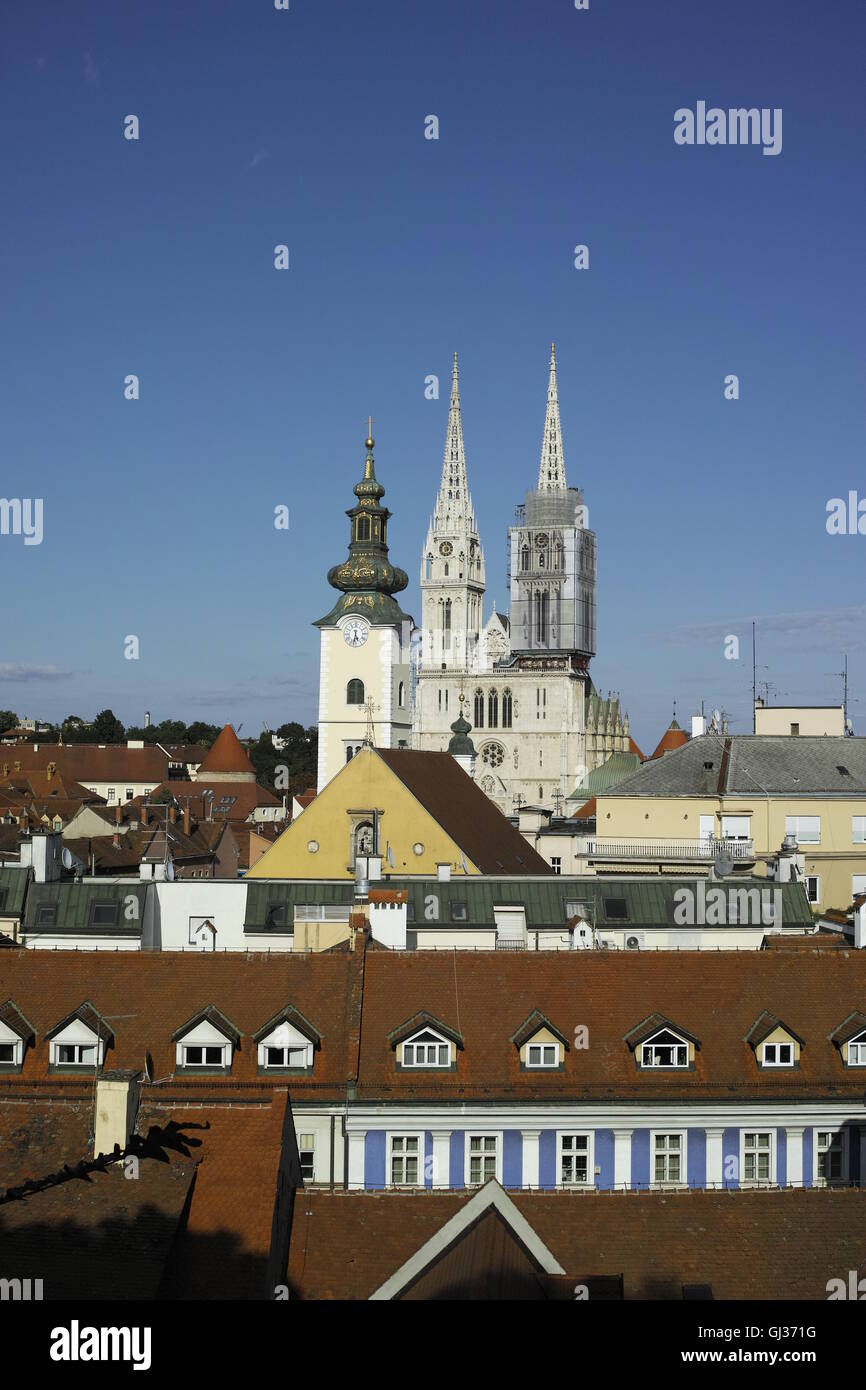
column 306, row 128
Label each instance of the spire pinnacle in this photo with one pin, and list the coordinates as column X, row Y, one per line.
column 551, row 473
column 453, row 505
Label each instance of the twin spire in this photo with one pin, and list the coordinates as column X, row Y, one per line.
column 551, row 473
column 454, row 503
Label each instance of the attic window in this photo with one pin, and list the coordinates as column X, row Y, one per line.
column 104, row 914
column 843, row 771
column 777, row 1054
column 46, row 915
column 857, row 1051
column 459, row 911
column 616, row 909
column 542, row 1055
column 277, row 915
column 426, row 1049
column 665, row 1049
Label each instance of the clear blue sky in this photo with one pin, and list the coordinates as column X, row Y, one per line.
column 556, row 127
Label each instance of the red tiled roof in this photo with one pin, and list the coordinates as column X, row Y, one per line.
column 633, row 748
column 88, row 762
column 240, row 799
column 487, row 995
column 746, row 1245
column 586, row 811
column 226, row 755
column 673, row 737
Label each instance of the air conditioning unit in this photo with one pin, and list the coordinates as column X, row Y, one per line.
column 634, row 942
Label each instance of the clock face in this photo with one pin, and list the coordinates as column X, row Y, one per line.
column 445, row 548
column 355, row 633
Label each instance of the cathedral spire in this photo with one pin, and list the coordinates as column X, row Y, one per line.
column 551, row 474
column 454, row 505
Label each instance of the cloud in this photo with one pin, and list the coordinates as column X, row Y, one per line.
column 824, row 627
column 91, row 71
column 259, row 158
column 12, row 671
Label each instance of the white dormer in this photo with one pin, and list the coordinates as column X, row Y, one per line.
column 11, row 1047
column 207, row 1042
column 285, row 1047
column 665, row 1049
column 856, row 1049
column 426, row 1048
column 76, row 1045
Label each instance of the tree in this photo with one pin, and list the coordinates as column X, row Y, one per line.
column 107, row 728
column 203, row 733
column 8, row 720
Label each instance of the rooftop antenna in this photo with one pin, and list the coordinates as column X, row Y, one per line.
column 754, row 683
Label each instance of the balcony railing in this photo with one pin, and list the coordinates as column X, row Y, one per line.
column 675, row 851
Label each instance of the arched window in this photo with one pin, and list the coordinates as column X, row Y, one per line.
column 446, row 569
column 524, row 558
column 541, row 793
column 493, row 710
column 506, row 709
column 447, row 621
column 362, row 528
column 428, row 567
column 364, row 838
column 355, row 692
column 401, row 694
column 558, row 553
column 479, row 709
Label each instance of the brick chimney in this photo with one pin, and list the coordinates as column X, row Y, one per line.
column 118, row 814
column 115, row 839
column 145, row 814
column 186, row 819
column 172, row 814
column 117, row 1095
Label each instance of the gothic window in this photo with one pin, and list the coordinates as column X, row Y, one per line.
column 492, row 710
column 428, row 567
column 488, row 785
column 506, row 709
column 479, row 709
column 401, row 694
column 524, row 558
column 557, row 555
column 447, row 621
column 541, row 793
column 541, row 560
column 362, row 528
column 492, row 754
column 355, row 692
column 446, row 569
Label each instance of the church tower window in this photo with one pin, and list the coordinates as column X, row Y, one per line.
column 446, row 624
column 493, row 710
column 506, row 709
column 362, row 528
column 479, row 709
column 355, row 692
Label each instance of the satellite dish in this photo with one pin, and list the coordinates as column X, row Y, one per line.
column 67, row 858
column 390, row 856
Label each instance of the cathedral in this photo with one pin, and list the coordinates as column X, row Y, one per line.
column 511, row 696
column 521, row 682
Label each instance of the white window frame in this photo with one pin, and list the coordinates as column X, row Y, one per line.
column 110, row 794
column 440, row 1042
column 774, row 1062
column 76, row 1034
column 664, row 1066
column 670, row 1183
column 542, row 1064
column 860, row 1044
column 205, row 1034
column 561, row 1153
column 290, row 1040
column 204, row 1047
column 792, row 827
column 770, row 1131
column 816, row 879
column 390, row 1154
column 858, row 830
column 495, row 1134
column 78, row 1048
column 841, row 1134
column 10, row 1039
column 310, row 1148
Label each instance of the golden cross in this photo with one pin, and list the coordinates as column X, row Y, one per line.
column 369, row 427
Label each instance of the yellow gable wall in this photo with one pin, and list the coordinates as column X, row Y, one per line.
column 781, row 1035
column 364, row 784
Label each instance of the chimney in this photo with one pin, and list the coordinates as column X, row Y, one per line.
column 186, row 820
column 117, row 1096
column 115, row 839
column 860, row 927
column 144, row 814
column 172, row 814
column 118, row 814
column 52, row 768
column 699, row 725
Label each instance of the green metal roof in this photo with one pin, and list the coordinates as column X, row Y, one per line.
column 13, row 888
column 617, row 767
column 74, row 903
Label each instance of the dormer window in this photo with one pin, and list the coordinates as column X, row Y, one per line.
column 540, row 1044
column 775, row 1043
column 426, row 1049
column 777, row 1054
column 857, row 1051
column 79, row 1041
column 542, row 1055
column 287, row 1043
column 664, row 1049
column 207, row 1042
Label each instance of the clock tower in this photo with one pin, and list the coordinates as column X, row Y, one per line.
column 365, row 664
